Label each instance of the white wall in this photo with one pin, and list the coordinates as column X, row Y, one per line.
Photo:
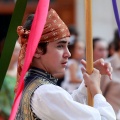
column 104, row 22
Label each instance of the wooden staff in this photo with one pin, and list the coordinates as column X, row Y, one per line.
column 89, row 44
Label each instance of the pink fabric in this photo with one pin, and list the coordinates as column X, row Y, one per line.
column 34, row 39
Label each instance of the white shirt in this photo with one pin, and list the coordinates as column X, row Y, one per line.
column 50, row 102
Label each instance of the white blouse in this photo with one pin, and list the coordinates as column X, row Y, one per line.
column 50, row 102
column 66, row 84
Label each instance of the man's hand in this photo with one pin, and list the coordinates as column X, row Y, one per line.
column 105, row 68
column 92, row 81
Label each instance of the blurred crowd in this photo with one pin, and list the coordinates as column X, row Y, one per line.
column 101, row 49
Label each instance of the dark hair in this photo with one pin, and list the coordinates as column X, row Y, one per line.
column 110, row 47
column 28, row 22
column 71, row 47
column 73, row 30
column 96, row 40
column 116, row 40
column 28, row 25
column 43, row 47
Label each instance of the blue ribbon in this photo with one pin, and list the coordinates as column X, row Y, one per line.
column 116, row 14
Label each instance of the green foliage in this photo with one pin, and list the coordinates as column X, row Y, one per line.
column 7, row 95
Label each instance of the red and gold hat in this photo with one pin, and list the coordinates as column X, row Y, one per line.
column 54, row 29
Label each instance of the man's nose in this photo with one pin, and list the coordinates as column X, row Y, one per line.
column 67, row 53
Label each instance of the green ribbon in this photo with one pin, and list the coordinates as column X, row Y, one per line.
column 11, row 38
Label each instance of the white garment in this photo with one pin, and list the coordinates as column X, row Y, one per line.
column 50, row 102
column 69, row 87
column 118, row 115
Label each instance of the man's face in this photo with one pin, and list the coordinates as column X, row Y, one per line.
column 100, row 50
column 55, row 60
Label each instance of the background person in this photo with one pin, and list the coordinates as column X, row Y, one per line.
column 111, row 89
column 73, row 74
column 100, row 49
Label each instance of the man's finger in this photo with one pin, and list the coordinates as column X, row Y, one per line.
column 83, row 70
column 108, row 66
column 99, row 61
column 83, row 63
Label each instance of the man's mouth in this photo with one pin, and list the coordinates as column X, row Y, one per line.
column 64, row 63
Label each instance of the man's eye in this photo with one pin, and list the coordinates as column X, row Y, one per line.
column 60, row 46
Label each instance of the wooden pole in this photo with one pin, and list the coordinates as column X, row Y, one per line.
column 89, row 43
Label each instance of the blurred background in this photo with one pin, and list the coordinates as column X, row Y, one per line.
column 72, row 13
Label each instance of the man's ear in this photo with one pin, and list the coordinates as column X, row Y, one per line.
column 38, row 53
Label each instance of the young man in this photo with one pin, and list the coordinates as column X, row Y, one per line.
column 41, row 98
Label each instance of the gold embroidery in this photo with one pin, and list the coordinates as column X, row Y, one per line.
column 27, row 113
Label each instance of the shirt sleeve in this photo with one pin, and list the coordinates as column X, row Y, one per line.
column 51, row 102
column 80, row 94
column 105, row 109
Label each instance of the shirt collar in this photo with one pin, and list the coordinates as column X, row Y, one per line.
column 41, row 73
